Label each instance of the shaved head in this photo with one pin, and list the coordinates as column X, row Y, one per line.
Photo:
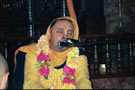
column 3, row 65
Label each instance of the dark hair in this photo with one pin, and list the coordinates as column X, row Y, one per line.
column 54, row 22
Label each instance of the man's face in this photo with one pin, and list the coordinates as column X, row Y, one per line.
column 62, row 28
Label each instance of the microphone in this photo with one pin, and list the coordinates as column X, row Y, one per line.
column 61, row 44
column 69, row 43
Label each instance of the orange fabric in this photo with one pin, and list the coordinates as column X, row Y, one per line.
column 71, row 9
column 26, row 49
column 58, row 58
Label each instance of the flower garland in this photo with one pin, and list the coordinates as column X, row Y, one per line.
column 44, row 64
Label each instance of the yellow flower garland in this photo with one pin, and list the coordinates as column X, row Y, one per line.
column 72, row 60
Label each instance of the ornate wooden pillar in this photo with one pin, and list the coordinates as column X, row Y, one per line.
column 31, row 18
column 131, row 62
column 63, row 7
column 108, row 59
column 119, row 60
column 96, row 61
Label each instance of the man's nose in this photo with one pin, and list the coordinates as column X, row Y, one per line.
column 65, row 34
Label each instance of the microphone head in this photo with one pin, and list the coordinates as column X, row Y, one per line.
column 59, row 44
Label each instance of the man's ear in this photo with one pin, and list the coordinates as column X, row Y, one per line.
column 50, row 34
column 4, row 80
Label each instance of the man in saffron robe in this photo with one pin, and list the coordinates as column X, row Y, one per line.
column 48, row 66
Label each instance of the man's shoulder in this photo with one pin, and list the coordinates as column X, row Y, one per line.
column 30, row 48
column 82, row 58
